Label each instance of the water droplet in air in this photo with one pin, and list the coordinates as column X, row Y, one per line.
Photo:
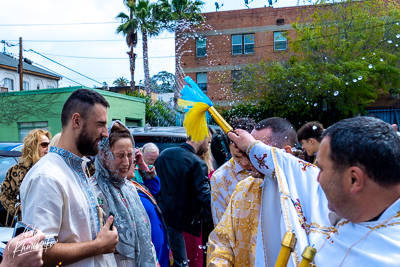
column 336, row 93
column 370, row 66
column 397, row 45
column 294, row 149
column 355, row 80
column 397, row 36
column 390, row 41
column 347, row 83
column 359, row 78
column 316, row 104
column 314, row 127
column 381, row 59
column 363, row 58
column 200, row 247
column 204, row 247
column 307, row 103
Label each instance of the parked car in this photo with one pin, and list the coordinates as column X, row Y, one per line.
column 165, row 137
column 9, row 153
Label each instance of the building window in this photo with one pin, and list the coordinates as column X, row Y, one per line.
column 242, row 44
column 50, row 87
column 202, row 81
column 26, row 86
column 133, row 122
column 237, row 75
column 280, row 41
column 201, row 47
column 9, row 83
column 38, row 86
column 25, row 127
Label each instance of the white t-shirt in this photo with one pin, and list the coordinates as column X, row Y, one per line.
column 57, row 199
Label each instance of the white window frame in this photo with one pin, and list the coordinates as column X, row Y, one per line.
column 201, row 47
column 9, row 83
column 25, row 127
column 201, row 76
column 25, row 86
column 251, row 36
column 280, row 40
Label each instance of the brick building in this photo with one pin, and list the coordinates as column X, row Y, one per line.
column 216, row 54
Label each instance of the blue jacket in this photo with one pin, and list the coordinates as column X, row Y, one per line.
column 158, row 233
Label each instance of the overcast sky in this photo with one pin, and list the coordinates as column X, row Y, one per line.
column 50, row 12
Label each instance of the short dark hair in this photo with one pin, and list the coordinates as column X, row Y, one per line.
column 283, row 132
column 246, row 124
column 369, row 143
column 81, row 101
column 312, row 129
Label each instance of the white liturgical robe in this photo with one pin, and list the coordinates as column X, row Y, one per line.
column 301, row 207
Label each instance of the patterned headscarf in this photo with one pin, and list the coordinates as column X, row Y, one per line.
column 130, row 217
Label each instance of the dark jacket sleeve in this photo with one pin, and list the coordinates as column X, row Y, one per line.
column 202, row 184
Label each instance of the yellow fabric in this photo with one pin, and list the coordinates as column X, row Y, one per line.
column 223, row 183
column 195, row 122
column 233, row 241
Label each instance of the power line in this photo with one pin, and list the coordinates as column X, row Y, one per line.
column 99, row 57
column 85, row 41
column 58, row 24
column 57, row 73
column 65, row 66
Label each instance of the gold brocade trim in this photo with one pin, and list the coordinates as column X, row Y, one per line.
column 284, row 205
column 219, row 256
column 262, row 229
column 383, row 225
column 316, row 225
column 251, row 147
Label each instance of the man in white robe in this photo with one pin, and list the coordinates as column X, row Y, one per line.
column 56, row 195
column 224, row 180
column 349, row 211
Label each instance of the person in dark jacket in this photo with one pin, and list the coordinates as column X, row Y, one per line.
column 185, row 195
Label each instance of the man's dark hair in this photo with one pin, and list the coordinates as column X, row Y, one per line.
column 246, row 124
column 81, row 101
column 312, row 129
column 368, row 143
column 283, row 132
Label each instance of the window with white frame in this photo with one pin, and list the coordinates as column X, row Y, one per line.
column 25, row 127
column 38, row 86
column 26, row 86
column 201, row 47
column 9, row 83
column 202, row 80
column 280, row 41
column 242, row 44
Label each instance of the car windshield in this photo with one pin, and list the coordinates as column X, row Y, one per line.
column 5, row 164
column 162, row 142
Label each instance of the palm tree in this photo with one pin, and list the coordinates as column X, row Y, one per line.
column 131, row 40
column 141, row 17
column 121, row 81
column 178, row 16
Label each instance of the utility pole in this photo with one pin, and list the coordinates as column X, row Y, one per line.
column 20, row 67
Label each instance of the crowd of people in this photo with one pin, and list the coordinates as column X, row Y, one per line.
column 107, row 203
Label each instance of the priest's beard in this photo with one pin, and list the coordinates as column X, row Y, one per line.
column 86, row 144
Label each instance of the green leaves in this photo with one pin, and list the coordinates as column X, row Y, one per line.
column 342, row 58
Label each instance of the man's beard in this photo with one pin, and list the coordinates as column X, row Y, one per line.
column 86, row 145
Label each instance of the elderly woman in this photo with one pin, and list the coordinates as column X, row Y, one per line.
column 118, row 196
column 36, row 145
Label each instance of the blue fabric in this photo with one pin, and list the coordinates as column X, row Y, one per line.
column 158, row 233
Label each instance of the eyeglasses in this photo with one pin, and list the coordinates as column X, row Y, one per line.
column 45, row 144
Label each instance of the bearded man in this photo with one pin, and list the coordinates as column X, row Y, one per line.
column 56, row 195
column 347, row 207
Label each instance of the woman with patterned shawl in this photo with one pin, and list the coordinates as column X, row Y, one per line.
column 118, row 196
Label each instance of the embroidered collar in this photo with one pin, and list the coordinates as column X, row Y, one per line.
column 65, row 154
column 236, row 166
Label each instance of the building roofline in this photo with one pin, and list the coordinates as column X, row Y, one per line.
column 31, row 72
column 71, row 89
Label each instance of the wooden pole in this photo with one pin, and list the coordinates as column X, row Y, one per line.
column 21, row 68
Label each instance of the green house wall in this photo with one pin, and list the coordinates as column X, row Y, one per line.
column 46, row 105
